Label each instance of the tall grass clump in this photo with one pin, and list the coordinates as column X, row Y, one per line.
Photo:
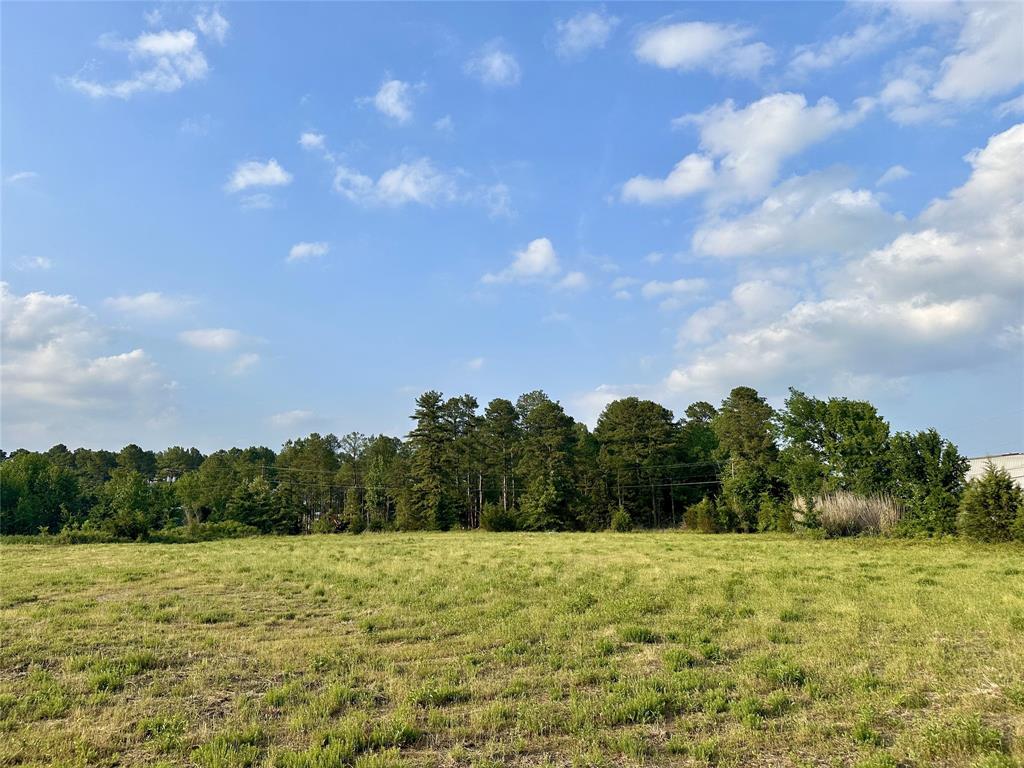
column 843, row 513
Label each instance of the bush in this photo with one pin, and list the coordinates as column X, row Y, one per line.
column 189, row 534
column 621, row 521
column 702, row 516
column 774, row 515
column 849, row 514
column 991, row 506
column 494, row 518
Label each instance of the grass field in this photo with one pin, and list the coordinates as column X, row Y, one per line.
column 514, row 649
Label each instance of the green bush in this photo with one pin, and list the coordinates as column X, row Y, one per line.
column 188, row 534
column 494, row 518
column 621, row 521
column 991, row 507
column 702, row 516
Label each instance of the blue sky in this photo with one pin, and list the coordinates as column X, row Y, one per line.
column 240, row 223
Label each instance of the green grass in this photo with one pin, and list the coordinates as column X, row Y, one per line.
column 522, row 649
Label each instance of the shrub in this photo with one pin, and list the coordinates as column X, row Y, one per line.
column 494, row 518
column 990, row 507
column 702, row 516
column 187, row 534
column 774, row 515
column 621, row 521
column 849, row 514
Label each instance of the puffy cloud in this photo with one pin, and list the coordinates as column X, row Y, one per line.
column 752, row 142
column 584, row 32
column 415, row 182
column 170, row 59
column 694, row 173
column 212, row 339
column 719, row 48
column 494, row 66
column 151, row 304
column 59, row 383
column 537, row 261
column 940, row 297
column 673, row 294
column 305, row 251
column 311, row 140
column 749, row 144
column 990, row 56
column 256, row 174
column 814, row 215
column 394, row 99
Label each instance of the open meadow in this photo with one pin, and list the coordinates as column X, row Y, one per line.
column 513, row 649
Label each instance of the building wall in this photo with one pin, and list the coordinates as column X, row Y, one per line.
column 1011, row 462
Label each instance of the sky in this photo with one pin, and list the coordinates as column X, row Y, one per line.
column 235, row 224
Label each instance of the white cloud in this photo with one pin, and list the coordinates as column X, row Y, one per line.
column 311, row 140
column 990, row 54
column 256, row 174
column 244, row 363
column 213, row 25
column 14, row 178
column 291, row 418
column 654, row 257
column 415, row 182
column 475, row 364
column 936, row 298
column 537, row 261
column 694, row 173
column 573, row 281
column 894, row 173
column 394, row 99
column 58, row 382
column 750, row 145
column 444, row 124
column 719, row 48
column 153, row 18
column 584, row 32
column 494, row 66
column 33, row 263
column 812, row 215
column 1011, row 107
column 212, row 339
column 305, row 251
column 152, row 305
column 170, row 59
column 842, row 49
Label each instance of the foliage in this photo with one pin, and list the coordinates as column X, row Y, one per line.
column 621, row 521
column 991, row 506
column 928, row 478
column 496, row 518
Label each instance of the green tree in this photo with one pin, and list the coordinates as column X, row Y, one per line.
column 638, row 440
column 175, row 461
column 133, row 458
column 747, row 428
column 132, row 506
column 432, row 500
column 990, row 506
column 500, row 435
column 253, row 503
column 547, row 467
column 35, row 494
column 928, row 478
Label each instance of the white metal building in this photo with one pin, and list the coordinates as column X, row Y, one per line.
column 1011, row 462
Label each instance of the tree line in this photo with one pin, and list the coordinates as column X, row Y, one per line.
column 523, row 465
